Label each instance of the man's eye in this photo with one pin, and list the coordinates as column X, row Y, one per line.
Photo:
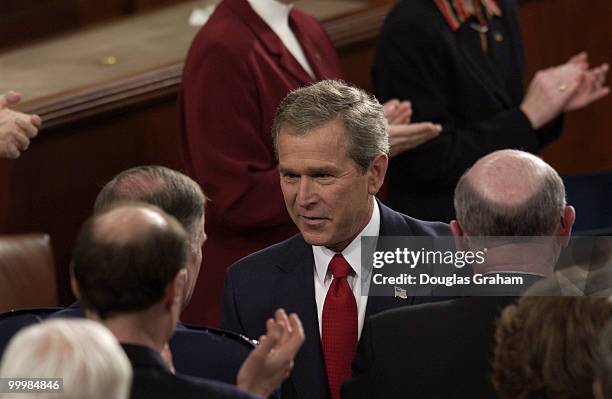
column 289, row 176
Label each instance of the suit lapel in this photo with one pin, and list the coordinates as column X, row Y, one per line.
column 312, row 53
column 270, row 41
column 389, row 226
column 296, row 294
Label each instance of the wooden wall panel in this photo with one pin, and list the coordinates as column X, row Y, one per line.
column 25, row 21
column 53, row 185
column 554, row 30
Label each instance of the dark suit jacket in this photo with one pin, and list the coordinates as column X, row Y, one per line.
column 205, row 353
column 282, row 276
column 153, row 380
column 437, row 350
column 236, row 74
column 451, row 82
column 433, row 351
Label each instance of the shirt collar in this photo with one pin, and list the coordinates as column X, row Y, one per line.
column 352, row 253
column 273, row 12
column 455, row 13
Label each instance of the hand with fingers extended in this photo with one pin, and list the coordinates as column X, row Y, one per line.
column 271, row 362
column 550, row 91
column 408, row 136
column 592, row 86
column 404, row 135
column 16, row 128
column 566, row 87
column 397, row 112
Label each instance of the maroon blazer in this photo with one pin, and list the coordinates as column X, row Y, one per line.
column 236, row 73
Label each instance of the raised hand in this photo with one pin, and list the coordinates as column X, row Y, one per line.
column 271, row 362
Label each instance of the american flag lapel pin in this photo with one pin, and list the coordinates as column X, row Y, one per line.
column 400, row 293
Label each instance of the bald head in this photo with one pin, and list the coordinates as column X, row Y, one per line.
column 131, row 223
column 125, row 257
column 510, row 193
column 508, row 177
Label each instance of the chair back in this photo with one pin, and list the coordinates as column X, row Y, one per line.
column 27, row 272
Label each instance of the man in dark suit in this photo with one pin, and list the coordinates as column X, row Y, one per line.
column 444, row 349
column 129, row 271
column 196, row 352
column 461, row 65
column 247, row 57
column 332, row 144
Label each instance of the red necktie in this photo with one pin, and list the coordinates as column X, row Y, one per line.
column 339, row 330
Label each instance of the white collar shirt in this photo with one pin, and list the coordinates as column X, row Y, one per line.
column 352, row 253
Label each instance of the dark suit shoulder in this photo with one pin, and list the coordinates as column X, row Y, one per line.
column 429, row 318
column 153, row 380
column 152, row 384
column 397, row 224
column 273, row 255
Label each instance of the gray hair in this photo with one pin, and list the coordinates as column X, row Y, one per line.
column 537, row 216
column 173, row 192
column 82, row 352
column 311, row 107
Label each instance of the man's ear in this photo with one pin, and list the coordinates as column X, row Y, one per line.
column 458, row 235
column 175, row 290
column 564, row 231
column 74, row 285
column 376, row 173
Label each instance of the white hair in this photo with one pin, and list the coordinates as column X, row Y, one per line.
column 82, row 352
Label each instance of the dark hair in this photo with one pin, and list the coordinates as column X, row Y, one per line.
column 173, row 192
column 128, row 276
column 308, row 108
column 546, row 347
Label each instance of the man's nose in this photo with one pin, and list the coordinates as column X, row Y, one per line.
column 306, row 194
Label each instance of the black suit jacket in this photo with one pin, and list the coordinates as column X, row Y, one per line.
column 450, row 81
column 199, row 352
column 437, row 350
column 153, row 380
column 433, row 351
column 282, row 276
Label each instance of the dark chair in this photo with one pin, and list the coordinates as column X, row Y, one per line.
column 13, row 321
column 591, row 195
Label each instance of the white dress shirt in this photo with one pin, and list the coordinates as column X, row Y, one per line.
column 352, row 253
column 276, row 15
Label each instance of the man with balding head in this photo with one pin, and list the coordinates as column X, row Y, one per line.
column 196, row 352
column 129, row 271
column 173, row 192
column 443, row 350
